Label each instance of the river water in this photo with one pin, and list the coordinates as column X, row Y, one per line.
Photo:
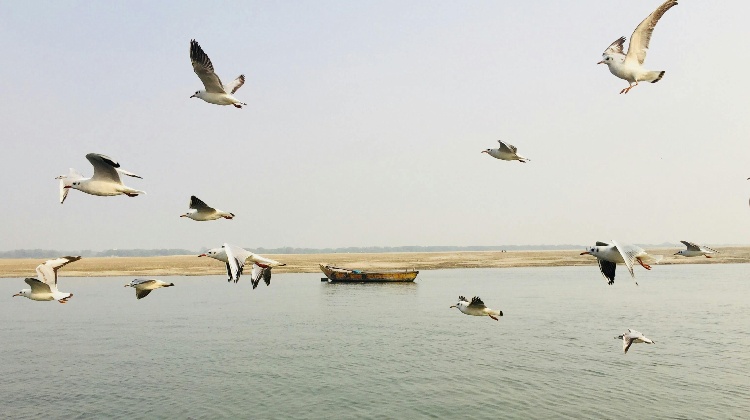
column 305, row 349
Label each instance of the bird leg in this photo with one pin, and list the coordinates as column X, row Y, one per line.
column 237, row 105
column 644, row 265
column 494, row 318
column 706, row 256
column 627, row 89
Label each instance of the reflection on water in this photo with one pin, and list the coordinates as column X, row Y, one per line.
column 306, row 349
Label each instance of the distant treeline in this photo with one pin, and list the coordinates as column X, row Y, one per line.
column 48, row 253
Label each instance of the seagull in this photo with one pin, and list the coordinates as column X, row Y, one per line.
column 45, row 287
column 202, row 212
column 105, row 182
column 235, row 258
column 215, row 92
column 144, row 286
column 632, row 336
column 505, row 152
column 630, row 66
column 695, row 250
column 608, row 255
column 476, row 308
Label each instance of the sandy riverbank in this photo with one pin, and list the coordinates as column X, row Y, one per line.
column 191, row 265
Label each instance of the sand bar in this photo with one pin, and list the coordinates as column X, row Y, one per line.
column 191, row 265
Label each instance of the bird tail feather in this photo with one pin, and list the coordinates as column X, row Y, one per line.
column 655, row 76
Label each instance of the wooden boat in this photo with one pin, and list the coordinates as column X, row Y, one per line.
column 337, row 274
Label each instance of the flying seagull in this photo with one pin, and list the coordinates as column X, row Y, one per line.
column 630, row 337
column 105, row 182
column 202, row 211
column 695, row 250
column 505, row 152
column 144, row 286
column 45, row 287
column 235, row 258
column 630, row 66
column 215, row 92
column 476, row 308
column 609, row 255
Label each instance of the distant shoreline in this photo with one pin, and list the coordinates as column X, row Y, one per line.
column 191, row 265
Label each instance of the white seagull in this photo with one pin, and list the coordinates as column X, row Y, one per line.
column 144, row 286
column 215, row 92
column 235, row 257
column 505, row 152
column 630, row 66
column 105, row 182
column 476, row 308
column 609, row 255
column 45, row 287
column 202, row 211
column 695, row 250
column 632, row 336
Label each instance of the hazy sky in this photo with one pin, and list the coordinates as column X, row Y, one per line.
column 365, row 122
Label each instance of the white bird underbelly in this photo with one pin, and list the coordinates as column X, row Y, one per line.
column 219, row 98
column 101, row 188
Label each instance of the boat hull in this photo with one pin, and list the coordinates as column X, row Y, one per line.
column 340, row 275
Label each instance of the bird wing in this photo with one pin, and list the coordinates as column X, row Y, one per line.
column 461, row 298
column 256, row 275
column 235, row 84
column 38, row 286
column 507, row 148
column 608, row 270
column 476, row 302
column 626, row 342
column 642, row 34
column 142, row 293
column 615, row 47
column 137, row 282
column 236, row 257
column 601, row 243
column 47, row 272
column 198, row 204
column 705, row 248
column 124, row 172
column 691, row 246
column 267, row 276
column 66, row 180
column 204, row 69
column 105, row 168
column 628, row 253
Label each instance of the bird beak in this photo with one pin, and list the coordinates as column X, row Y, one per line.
column 483, row 151
column 17, row 294
column 67, row 186
column 453, row 306
column 127, row 285
column 601, row 62
column 192, row 96
column 182, row 215
column 203, row 255
column 585, row 253
column 676, row 253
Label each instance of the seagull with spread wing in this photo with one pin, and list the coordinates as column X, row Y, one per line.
column 476, row 308
column 630, row 337
column 215, row 92
column 202, row 212
column 105, row 182
column 45, row 286
column 695, row 250
column 235, row 258
column 505, row 152
column 630, row 66
column 144, row 286
column 609, row 255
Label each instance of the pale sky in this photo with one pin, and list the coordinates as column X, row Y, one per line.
column 365, row 122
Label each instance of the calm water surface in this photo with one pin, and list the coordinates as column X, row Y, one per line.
column 306, row 349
